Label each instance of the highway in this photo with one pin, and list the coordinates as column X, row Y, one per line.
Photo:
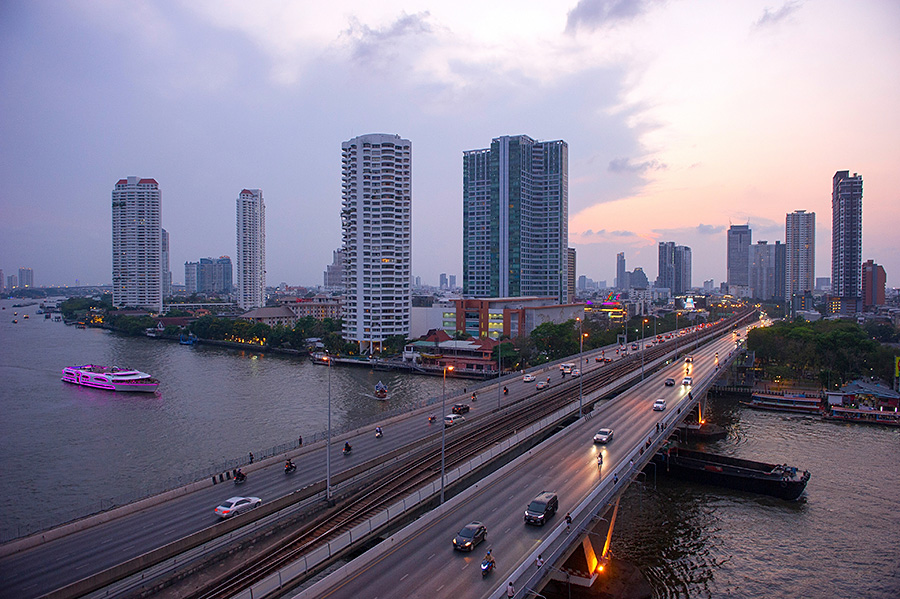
column 424, row 563
column 46, row 567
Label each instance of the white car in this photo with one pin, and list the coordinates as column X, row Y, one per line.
column 528, row 378
column 604, row 435
column 659, row 405
column 236, row 505
column 542, row 385
column 451, row 419
column 687, row 381
column 576, row 373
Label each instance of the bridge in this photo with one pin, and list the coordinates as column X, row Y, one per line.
column 166, row 534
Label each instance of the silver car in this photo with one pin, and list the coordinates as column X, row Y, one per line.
column 236, row 505
column 604, row 435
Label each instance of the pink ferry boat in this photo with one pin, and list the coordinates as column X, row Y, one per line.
column 111, row 378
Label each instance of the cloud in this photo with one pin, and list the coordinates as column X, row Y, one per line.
column 596, row 14
column 709, row 229
column 370, row 44
column 770, row 18
column 626, row 165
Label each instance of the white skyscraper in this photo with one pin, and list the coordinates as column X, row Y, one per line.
column 800, row 254
column 376, row 219
column 137, row 244
column 251, row 250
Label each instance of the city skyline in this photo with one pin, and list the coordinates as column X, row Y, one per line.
column 672, row 128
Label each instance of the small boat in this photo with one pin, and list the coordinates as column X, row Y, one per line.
column 188, row 339
column 26, row 316
column 47, row 315
column 381, row 390
column 777, row 480
column 80, row 325
column 797, row 403
column 111, row 378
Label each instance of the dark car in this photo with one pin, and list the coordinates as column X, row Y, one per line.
column 470, row 535
column 541, row 508
column 670, row 382
column 460, row 408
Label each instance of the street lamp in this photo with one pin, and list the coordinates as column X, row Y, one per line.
column 328, row 441
column 643, row 345
column 581, row 336
column 499, row 370
column 443, row 426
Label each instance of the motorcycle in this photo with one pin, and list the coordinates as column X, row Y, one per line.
column 505, row 391
column 288, row 468
column 487, row 566
column 239, row 478
column 347, row 450
column 431, row 419
column 378, row 434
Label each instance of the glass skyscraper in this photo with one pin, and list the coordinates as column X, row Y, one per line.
column 738, row 259
column 846, row 237
column 515, row 219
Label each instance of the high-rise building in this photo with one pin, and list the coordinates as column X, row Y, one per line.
column 515, row 219
column 12, row 282
column 570, row 288
column 780, row 270
column 873, row 282
column 137, row 244
column 334, row 271
column 846, row 238
column 192, row 277
column 665, row 271
column 376, row 219
column 2, row 281
column 800, row 253
column 166, row 271
column 682, row 270
column 620, row 271
column 638, row 279
column 26, row 278
column 738, row 259
column 452, row 281
column 251, row 249
column 763, row 266
column 212, row 277
column 443, row 281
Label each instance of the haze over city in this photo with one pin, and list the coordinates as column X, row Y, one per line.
column 681, row 118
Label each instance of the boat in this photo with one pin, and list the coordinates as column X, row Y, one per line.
column 80, row 325
column 381, row 390
column 26, row 316
column 777, row 480
column 863, row 415
column 47, row 315
column 798, row 403
column 188, row 339
column 111, row 378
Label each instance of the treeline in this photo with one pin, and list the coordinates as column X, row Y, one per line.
column 832, row 352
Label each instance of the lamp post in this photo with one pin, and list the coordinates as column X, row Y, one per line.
column 676, row 333
column 328, row 441
column 643, row 345
column 499, row 371
column 443, row 426
column 580, row 365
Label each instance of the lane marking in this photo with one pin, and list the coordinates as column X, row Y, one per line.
column 431, row 556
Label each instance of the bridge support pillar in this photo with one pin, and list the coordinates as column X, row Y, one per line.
column 586, row 562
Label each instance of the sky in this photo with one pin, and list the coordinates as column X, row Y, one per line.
column 682, row 117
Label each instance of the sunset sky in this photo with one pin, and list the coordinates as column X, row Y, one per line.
column 681, row 118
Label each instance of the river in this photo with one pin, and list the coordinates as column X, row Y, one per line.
column 69, row 451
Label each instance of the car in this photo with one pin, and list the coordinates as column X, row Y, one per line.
column 541, row 385
column 659, row 405
column 451, row 419
column 687, row 381
column 470, row 535
column 670, row 382
column 604, row 435
column 607, row 359
column 541, row 508
column 598, row 359
column 461, row 408
column 688, row 359
column 576, row 372
column 235, row 505
column 528, row 378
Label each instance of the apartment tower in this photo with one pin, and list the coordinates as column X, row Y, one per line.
column 137, row 244
column 250, row 258
column 376, row 220
column 800, row 253
column 515, row 219
column 738, row 259
column 846, row 239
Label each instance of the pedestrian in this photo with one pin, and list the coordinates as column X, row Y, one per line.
column 631, row 464
column 539, row 562
column 300, row 441
column 616, row 478
column 510, row 590
column 251, row 457
column 657, row 427
column 568, row 521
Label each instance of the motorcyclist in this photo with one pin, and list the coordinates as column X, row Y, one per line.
column 489, row 558
column 505, row 391
column 474, row 396
column 347, row 447
column 289, row 464
column 378, row 431
column 238, row 475
column 431, row 419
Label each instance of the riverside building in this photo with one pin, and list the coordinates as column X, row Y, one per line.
column 250, row 265
column 515, row 219
column 376, row 221
column 137, row 244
